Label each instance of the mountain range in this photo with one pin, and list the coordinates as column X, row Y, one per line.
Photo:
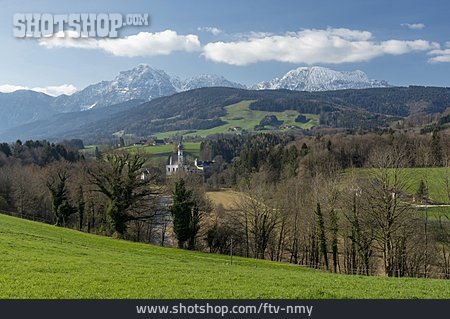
column 316, row 78
column 204, row 110
column 147, row 83
column 142, row 82
column 145, row 100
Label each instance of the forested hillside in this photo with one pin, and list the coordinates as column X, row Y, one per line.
column 203, row 109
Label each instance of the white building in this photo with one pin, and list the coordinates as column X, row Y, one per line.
column 177, row 164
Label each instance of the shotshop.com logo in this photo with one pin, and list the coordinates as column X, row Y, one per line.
column 37, row 25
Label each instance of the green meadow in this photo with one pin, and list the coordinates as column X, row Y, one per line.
column 434, row 177
column 191, row 149
column 240, row 116
column 44, row 261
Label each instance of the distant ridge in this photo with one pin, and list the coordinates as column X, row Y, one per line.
column 317, row 78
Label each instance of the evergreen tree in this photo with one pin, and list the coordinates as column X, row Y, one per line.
column 321, row 239
column 185, row 214
column 121, row 142
column 97, row 153
column 334, row 243
column 304, row 150
column 436, row 148
column 4, row 147
column 422, row 192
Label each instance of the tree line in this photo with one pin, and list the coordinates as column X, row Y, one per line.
column 341, row 203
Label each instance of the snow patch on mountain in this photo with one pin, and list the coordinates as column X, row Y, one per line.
column 146, row 83
column 321, row 79
column 140, row 83
column 207, row 80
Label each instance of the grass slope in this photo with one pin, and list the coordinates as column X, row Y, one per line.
column 240, row 115
column 43, row 261
column 158, row 152
column 435, row 176
column 436, row 181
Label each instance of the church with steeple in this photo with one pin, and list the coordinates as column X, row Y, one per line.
column 177, row 164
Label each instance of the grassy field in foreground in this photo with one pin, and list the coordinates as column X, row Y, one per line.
column 240, row 115
column 43, row 261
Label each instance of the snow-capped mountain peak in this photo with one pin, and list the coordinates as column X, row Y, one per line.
column 321, row 79
column 141, row 83
column 207, row 80
column 144, row 82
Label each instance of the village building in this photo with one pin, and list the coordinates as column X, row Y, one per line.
column 179, row 164
column 202, row 165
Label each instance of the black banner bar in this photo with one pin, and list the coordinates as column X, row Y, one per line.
column 244, row 309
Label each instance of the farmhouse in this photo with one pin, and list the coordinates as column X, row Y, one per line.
column 139, row 143
column 157, row 142
column 202, row 165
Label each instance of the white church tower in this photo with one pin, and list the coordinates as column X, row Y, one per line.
column 180, row 154
column 176, row 164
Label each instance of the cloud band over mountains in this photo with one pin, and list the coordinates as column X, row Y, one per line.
column 141, row 44
column 308, row 46
column 312, row 46
column 57, row 90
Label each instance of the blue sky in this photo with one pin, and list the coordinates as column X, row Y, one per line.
column 403, row 42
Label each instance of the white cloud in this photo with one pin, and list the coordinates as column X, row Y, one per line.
column 8, row 88
column 68, row 39
column 141, row 44
column 67, row 89
column 440, row 55
column 148, row 44
column 310, row 46
column 212, row 30
column 413, row 26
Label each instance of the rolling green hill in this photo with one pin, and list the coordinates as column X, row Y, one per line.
column 216, row 109
column 240, row 117
column 43, row 261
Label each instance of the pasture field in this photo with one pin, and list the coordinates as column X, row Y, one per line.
column 225, row 197
column 434, row 176
column 241, row 117
column 158, row 152
column 44, row 261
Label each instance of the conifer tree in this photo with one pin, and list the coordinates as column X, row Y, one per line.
column 322, row 241
column 185, row 214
